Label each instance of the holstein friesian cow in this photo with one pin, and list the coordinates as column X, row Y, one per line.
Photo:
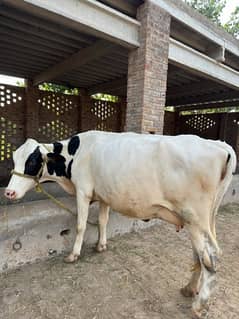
column 180, row 179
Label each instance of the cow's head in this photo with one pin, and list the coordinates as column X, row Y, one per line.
column 28, row 161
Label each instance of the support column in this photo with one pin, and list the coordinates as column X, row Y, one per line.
column 147, row 71
column 31, row 111
column 123, row 106
column 88, row 119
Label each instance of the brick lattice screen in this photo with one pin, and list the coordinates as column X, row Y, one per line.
column 102, row 115
column 217, row 126
column 11, row 126
column 48, row 117
column 59, row 116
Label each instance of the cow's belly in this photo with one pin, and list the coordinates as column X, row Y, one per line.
column 137, row 202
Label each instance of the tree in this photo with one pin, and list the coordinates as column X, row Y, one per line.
column 213, row 10
column 232, row 26
column 57, row 88
column 210, row 8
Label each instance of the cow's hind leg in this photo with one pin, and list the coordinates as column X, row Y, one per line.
column 207, row 251
column 103, row 220
column 192, row 288
column 83, row 211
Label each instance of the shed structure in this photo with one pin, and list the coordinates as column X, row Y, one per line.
column 151, row 54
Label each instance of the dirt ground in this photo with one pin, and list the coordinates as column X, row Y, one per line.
column 138, row 277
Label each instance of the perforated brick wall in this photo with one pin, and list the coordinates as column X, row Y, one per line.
column 47, row 117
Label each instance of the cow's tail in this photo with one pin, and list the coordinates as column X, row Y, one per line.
column 229, row 167
column 228, row 170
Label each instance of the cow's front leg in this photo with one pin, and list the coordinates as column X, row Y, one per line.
column 83, row 211
column 103, row 220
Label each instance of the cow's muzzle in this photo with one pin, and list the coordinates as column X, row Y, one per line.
column 10, row 194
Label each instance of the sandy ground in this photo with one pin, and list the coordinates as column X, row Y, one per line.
column 138, row 277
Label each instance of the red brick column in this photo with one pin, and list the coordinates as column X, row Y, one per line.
column 147, row 71
column 123, row 105
column 31, row 111
column 88, row 120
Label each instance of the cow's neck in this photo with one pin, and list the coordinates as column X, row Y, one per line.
column 62, row 178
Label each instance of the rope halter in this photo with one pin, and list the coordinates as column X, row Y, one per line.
column 36, row 178
column 38, row 186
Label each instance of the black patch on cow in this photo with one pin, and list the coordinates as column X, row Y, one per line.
column 73, row 145
column 68, row 173
column 228, row 157
column 33, row 163
column 146, row 220
column 57, row 147
column 56, row 164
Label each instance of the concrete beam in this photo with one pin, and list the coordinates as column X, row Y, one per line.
column 89, row 16
column 210, row 97
column 176, row 9
column 194, row 88
column 47, row 26
column 201, row 64
column 76, row 60
column 217, row 53
column 108, row 86
column 207, row 105
column 121, row 5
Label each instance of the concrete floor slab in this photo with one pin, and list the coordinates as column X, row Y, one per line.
column 139, row 277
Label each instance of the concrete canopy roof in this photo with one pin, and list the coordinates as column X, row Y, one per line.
column 85, row 44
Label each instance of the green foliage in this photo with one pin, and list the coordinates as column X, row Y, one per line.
column 232, row 26
column 213, row 10
column 210, row 8
column 21, row 84
column 58, row 88
column 213, row 110
column 105, row 97
column 74, row 91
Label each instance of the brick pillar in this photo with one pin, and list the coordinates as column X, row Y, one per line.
column 237, row 150
column 88, row 119
column 147, row 71
column 123, row 105
column 32, row 111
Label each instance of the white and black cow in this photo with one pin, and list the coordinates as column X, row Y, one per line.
column 179, row 179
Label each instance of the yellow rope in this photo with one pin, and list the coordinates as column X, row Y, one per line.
column 40, row 189
column 196, row 267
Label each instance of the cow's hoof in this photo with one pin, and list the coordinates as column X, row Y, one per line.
column 200, row 312
column 101, row 247
column 71, row 258
column 196, row 315
column 187, row 292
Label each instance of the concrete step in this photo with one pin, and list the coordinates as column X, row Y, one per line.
column 40, row 229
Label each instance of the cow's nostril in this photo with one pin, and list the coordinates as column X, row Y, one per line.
column 10, row 194
column 6, row 193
